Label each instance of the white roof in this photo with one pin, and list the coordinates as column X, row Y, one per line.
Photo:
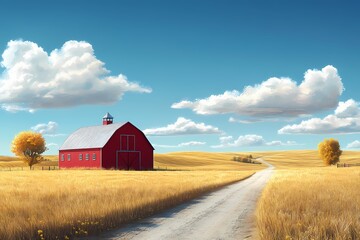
column 90, row 137
column 107, row 115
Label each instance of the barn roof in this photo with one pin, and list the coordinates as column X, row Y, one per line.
column 90, row 137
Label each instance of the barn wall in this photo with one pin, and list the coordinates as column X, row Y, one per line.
column 141, row 144
column 75, row 162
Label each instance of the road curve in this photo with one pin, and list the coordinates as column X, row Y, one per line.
column 223, row 214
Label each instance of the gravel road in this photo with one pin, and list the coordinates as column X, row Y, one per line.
column 224, row 214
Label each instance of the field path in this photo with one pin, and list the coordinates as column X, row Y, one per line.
column 223, row 214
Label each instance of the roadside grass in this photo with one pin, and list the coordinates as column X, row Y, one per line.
column 317, row 203
column 74, row 203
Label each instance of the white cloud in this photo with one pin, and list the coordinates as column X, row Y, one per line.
column 250, row 140
column 244, row 121
column 350, row 108
column 15, row 108
column 69, row 76
column 182, row 126
column 52, row 145
column 346, row 119
column 275, row 97
column 46, row 128
column 354, row 144
column 185, row 144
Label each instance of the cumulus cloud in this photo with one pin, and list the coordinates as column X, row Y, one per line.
column 275, row 97
column 250, row 140
column 354, row 144
column 346, row 119
column 182, row 126
column 69, row 76
column 244, row 121
column 46, row 128
column 185, row 144
column 15, row 108
column 48, row 145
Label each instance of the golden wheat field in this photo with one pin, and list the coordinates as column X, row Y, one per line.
column 68, row 203
column 318, row 203
column 203, row 161
column 303, row 158
column 169, row 161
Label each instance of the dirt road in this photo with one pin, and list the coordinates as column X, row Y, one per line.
column 224, row 214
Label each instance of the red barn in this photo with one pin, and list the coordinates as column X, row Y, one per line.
column 111, row 145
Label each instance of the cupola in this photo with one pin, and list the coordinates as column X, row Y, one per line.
column 107, row 119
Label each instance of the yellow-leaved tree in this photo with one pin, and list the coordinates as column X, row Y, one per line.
column 329, row 151
column 29, row 146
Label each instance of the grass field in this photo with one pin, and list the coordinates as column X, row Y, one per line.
column 203, row 161
column 303, row 158
column 169, row 161
column 65, row 204
column 303, row 200
column 319, row 203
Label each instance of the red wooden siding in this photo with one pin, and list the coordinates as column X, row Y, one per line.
column 76, row 162
column 127, row 149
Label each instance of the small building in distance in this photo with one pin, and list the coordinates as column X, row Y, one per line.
column 108, row 146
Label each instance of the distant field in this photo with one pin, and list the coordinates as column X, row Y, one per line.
column 303, row 158
column 13, row 162
column 219, row 161
column 203, row 161
column 169, row 161
column 317, row 203
column 66, row 204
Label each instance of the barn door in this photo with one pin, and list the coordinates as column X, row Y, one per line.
column 128, row 160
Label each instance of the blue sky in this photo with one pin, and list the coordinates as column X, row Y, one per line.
column 194, row 75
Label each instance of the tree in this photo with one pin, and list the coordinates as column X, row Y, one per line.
column 329, row 151
column 29, row 146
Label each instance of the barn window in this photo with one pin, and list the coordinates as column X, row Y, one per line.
column 62, row 157
column 80, row 156
column 127, row 142
column 69, row 157
column 94, row 156
column 87, row 156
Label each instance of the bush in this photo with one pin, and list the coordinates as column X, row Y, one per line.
column 329, row 151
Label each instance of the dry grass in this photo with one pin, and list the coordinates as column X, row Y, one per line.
column 14, row 162
column 80, row 202
column 169, row 161
column 303, row 158
column 319, row 203
column 203, row 161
